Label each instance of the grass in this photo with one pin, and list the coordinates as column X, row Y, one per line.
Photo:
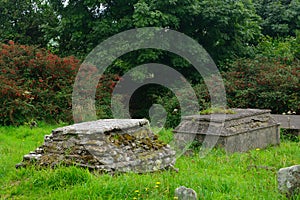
column 250, row 175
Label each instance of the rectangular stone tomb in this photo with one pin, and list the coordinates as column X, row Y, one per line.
column 244, row 130
column 109, row 145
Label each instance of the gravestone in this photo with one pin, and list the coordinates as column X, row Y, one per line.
column 109, row 145
column 244, row 130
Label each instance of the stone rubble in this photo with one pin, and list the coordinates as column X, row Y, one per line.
column 109, row 145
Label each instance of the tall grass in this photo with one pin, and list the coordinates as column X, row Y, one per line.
column 250, row 175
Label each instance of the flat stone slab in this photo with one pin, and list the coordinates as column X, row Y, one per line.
column 219, row 117
column 109, row 145
column 288, row 121
column 244, row 130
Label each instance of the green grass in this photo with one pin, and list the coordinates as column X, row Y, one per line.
column 250, row 175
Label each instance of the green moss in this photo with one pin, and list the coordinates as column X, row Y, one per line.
column 126, row 139
column 217, row 110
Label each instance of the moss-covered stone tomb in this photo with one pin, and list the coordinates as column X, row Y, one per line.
column 109, row 145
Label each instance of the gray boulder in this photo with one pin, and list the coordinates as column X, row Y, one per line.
column 183, row 193
column 289, row 180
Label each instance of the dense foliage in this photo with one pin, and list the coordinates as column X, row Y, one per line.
column 279, row 18
column 256, row 45
column 222, row 27
column 26, row 21
column 270, row 80
column 267, row 83
column 35, row 84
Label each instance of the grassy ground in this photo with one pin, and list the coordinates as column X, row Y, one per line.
column 250, row 175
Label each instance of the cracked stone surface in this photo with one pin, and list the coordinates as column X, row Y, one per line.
column 109, row 145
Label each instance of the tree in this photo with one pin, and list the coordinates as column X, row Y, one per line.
column 26, row 21
column 224, row 28
column 280, row 18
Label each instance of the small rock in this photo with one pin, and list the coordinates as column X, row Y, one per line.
column 183, row 193
column 19, row 165
column 289, row 180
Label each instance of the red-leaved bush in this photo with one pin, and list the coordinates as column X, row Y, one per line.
column 35, row 84
column 266, row 83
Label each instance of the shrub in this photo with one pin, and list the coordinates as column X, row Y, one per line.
column 266, row 83
column 35, row 84
column 287, row 48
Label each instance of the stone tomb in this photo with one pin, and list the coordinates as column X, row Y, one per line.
column 244, row 130
column 109, row 145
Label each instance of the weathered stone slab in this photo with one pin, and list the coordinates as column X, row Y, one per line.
column 246, row 129
column 289, row 180
column 110, row 145
column 288, row 121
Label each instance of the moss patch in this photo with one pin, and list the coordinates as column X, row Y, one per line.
column 217, row 110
